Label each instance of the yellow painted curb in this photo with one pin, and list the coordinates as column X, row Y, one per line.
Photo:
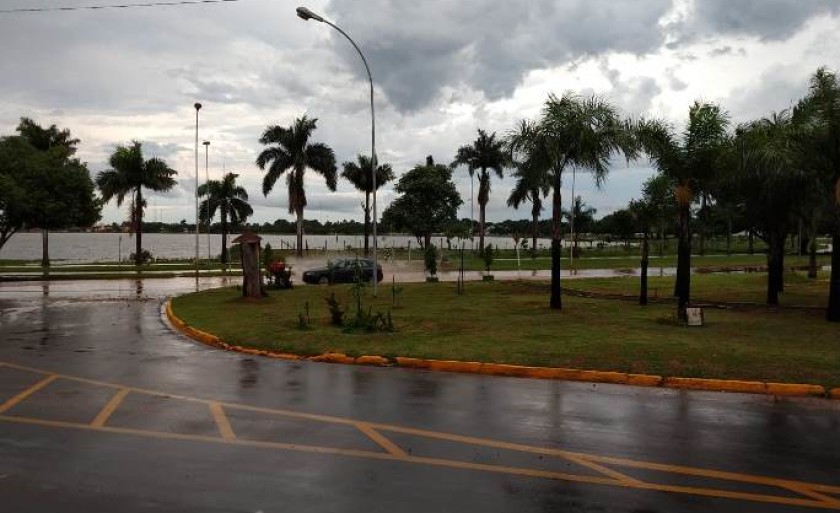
column 521, row 371
column 333, row 358
column 372, row 360
column 719, row 385
column 795, row 389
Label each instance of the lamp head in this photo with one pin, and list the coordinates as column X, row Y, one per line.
column 197, row 106
column 305, row 14
column 206, row 143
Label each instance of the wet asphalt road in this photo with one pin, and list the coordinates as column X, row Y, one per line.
column 163, row 448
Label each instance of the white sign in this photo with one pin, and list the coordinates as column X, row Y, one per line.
column 694, row 316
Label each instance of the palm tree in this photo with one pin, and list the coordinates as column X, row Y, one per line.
column 584, row 216
column 772, row 184
column 60, row 145
column 532, row 186
column 129, row 174
column 691, row 165
column 361, row 177
column 486, row 153
column 293, row 154
column 573, row 132
column 230, row 200
column 819, row 111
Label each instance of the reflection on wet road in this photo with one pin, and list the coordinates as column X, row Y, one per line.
column 103, row 408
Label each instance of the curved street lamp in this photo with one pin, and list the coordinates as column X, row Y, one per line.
column 306, row 14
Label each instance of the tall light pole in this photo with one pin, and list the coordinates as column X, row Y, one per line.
column 306, row 14
column 197, row 108
column 207, row 181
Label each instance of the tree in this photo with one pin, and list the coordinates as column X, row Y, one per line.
column 691, row 165
column 820, row 112
column 59, row 146
column 428, row 202
column 772, row 186
column 230, row 200
column 361, row 176
column 577, row 132
column 660, row 206
column 531, row 185
column 130, row 173
column 17, row 159
column 582, row 218
column 486, row 153
column 43, row 189
column 293, row 155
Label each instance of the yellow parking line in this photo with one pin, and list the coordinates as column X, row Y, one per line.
column 602, row 469
column 384, row 442
column 222, row 421
column 14, row 401
column 110, row 408
column 814, row 495
column 395, row 453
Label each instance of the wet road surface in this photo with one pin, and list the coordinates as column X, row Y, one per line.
column 104, row 408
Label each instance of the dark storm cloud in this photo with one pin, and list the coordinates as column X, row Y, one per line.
column 418, row 48
column 769, row 20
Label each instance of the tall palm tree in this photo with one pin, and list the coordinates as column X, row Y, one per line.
column 691, row 164
column 531, row 185
column 61, row 146
column 572, row 132
column 819, row 111
column 292, row 154
column 230, row 200
column 772, row 184
column 486, row 153
column 361, row 176
column 583, row 216
column 129, row 174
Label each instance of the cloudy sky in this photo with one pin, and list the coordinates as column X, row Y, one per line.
column 442, row 68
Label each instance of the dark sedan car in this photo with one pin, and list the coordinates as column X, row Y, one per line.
column 342, row 271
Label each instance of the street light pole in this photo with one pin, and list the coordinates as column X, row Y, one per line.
column 197, row 108
column 207, row 181
column 306, row 14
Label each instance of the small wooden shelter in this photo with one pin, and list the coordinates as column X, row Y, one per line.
column 252, row 285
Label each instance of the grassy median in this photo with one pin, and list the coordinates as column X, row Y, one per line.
column 510, row 323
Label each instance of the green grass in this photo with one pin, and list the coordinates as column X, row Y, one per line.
column 510, row 323
column 718, row 288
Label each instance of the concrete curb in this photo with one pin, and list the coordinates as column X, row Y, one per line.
column 520, row 371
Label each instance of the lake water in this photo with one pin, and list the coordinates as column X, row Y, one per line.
column 98, row 247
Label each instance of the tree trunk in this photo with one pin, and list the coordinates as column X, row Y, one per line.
column 367, row 222
column 138, row 230
column 643, row 289
column 702, row 219
column 812, row 255
column 45, row 248
column 427, row 240
column 556, row 302
column 751, row 242
column 535, row 213
column 780, row 264
column 683, row 282
column 833, row 310
column 224, row 256
column 729, row 235
column 299, row 248
column 773, row 269
column 481, row 213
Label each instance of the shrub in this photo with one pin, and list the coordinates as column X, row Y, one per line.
column 430, row 259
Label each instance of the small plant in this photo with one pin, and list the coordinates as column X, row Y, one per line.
column 395, row 292
column 145, row 257
column 336, row 312
column 304, row 322
column 267, row 256
column 487, row 256
column 371, row 322
column 430, row 262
